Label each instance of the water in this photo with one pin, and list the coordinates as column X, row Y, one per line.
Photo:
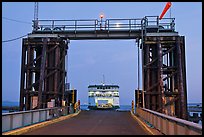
column 8, row 111
column 5, row 111
column 10, row 103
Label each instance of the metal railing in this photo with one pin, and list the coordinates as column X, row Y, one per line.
column 108, row 24
column 15, row 120
column 169, row 125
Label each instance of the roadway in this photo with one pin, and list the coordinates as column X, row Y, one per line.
column 94, row 122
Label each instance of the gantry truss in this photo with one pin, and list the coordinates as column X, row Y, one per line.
column 164, row 75
column 42, row 72
column 163, row 60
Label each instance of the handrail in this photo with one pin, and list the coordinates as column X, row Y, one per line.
column 175, row 125
column 28, row 111
column 15, row 120
column 108, row 24
column 178, row 120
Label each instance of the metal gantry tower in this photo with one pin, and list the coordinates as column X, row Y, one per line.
column 42, row 72
column 164, row 79
column 163, row 60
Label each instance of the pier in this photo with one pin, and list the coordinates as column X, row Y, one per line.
column 47, row 108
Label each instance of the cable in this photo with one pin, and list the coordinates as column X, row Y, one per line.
column 14, row 39
column 16, row 20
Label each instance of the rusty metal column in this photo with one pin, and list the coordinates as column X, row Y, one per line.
column 27, row 78
column 31, row 76
column 42, row 70
column 143, row 82
column 138, row 80
column 160, row 74
column 22, row 91
column 181, row 85
column 45, row 98
column 146, row 69
column 144, row 75
column 50, row 79
column 148, row 76
column 56, row 75
column 64, row 52
column 184, row 73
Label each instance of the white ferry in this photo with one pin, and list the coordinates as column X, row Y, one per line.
column 103, row 96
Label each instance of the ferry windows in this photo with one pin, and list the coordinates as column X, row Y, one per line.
column 116, row 94
column 91, row 94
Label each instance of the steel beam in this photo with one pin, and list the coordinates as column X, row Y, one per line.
column 42, row 72
column 22, row 92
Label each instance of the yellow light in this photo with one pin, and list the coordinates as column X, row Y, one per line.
column 117, row 25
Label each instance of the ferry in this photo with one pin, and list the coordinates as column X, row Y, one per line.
column 103, row 96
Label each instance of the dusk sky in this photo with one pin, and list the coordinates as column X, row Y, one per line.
column 89, row 60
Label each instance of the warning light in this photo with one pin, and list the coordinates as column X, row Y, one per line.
column 101, row 16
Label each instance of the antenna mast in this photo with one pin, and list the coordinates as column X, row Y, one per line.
column 103, row 79
column 36, row 16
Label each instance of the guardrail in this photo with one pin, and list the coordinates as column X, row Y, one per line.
column 108, row 24
column 15, row 120
column 169, row 125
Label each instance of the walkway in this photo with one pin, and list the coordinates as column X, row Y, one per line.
column 94, row 122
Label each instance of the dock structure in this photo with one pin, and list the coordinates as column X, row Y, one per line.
column 164, row 75
column 42, row 72
column 164, row 87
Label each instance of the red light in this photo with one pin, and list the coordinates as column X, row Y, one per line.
column 101, row 16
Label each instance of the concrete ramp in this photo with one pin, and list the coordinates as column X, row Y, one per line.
column 94, row 122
